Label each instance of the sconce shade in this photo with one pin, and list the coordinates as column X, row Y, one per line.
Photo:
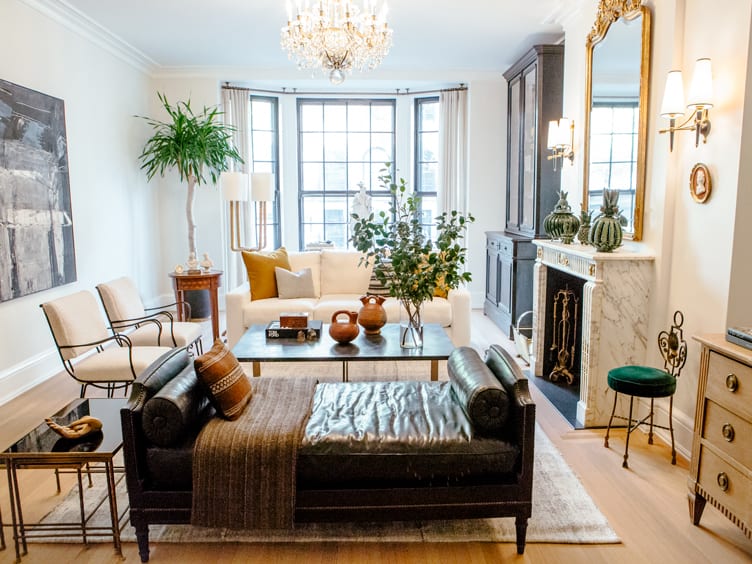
column 553, row 134
column 262, row 187
column 701, row 88
column 673, row 95
column 234, row 186
column 565, row 127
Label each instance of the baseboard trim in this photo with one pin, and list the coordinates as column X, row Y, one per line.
column 25, row 375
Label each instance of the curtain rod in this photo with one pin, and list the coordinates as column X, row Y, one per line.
column 295, row 91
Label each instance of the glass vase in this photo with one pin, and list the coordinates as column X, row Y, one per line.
column 411, row 326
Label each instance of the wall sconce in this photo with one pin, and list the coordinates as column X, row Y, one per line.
column 700, row 101
column 561, row 140
column 235, row 191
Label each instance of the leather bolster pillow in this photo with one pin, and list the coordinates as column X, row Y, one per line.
column 480, row 393
column 174, row 410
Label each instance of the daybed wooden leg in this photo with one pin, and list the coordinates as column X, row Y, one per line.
column 521, row 526
column 142, row 537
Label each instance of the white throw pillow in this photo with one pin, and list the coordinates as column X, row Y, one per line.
column 341, row 273
column 294, row 284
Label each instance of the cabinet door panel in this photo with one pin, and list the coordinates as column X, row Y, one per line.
column 529, row 140
column 513, row 182
column 492, row 283
column 505, row 283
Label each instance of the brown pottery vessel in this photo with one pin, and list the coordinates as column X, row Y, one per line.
column 344, row 331
column 372, row 316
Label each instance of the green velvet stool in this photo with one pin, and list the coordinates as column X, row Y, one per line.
column 649, row 382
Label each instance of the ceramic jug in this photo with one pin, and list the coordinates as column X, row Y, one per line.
column 344, row 331
column 372, row 316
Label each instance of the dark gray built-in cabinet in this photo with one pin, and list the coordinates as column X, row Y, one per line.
column 534, row 98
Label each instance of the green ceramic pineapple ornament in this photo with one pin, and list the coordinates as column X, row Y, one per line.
column 562, row 223
column 605, row 233
column 586, row 216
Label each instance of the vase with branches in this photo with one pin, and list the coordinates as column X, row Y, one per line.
column 404, row 258
column 198, row 145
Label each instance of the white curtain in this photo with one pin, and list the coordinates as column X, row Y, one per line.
column 453, row 151
column 235, row 106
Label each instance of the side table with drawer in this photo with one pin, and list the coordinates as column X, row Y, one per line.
column 721, row 466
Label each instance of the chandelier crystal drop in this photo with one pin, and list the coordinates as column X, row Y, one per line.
column 337, row 36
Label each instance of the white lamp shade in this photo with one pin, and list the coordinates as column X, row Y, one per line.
column 701, row 87
column 553, row 134
column 262, row 187
column 234, row 186
column 673, row 95
column 565, row 130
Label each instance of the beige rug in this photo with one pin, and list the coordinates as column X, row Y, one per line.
column 563, row 512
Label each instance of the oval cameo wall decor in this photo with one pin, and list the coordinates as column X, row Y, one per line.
column 699, row 183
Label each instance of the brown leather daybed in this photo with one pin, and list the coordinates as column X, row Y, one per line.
column 371, row 451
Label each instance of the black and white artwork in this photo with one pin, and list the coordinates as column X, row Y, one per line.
column 36, row 224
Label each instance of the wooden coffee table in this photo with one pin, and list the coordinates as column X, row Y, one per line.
column 254, row 347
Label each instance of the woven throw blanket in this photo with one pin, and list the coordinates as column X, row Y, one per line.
column 244, row 470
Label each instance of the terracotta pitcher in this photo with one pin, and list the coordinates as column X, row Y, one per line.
column 372, row 316
column 344, row 331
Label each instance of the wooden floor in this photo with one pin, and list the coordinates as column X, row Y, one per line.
column 646, row 505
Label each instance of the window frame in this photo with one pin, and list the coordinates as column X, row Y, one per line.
column 275, row 164
column 418, row 191
column 349, row 190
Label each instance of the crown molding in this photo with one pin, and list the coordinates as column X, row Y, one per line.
column 68, row 16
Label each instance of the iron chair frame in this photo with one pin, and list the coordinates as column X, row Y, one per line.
column 110, row 386
column 673, row 349
column 117, row 324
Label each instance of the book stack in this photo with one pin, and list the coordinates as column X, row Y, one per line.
column 275, row 330
column 740, row 336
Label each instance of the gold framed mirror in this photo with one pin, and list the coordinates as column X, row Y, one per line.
column 616, row 109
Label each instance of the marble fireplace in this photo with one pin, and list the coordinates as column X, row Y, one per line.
column 613, row 323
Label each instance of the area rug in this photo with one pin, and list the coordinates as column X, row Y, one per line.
column 563, row 512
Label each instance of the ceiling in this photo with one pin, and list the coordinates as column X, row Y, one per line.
column 457, row 35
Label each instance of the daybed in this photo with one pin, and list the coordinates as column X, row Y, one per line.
column 338, row 283
column 369, row 451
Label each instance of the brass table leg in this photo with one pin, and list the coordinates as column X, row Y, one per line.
column 114, row 516
column 256, row 369
column 434, row 370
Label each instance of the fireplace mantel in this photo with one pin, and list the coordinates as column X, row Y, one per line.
column 614, row 315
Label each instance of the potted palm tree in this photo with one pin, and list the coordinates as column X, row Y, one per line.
column 197, row 145
column 405, row 260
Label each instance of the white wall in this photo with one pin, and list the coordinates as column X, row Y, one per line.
column 114, row 211
column 692, row 243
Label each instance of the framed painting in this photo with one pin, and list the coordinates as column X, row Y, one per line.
column 36, row 222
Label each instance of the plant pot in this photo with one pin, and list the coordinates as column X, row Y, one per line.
column 200, row 302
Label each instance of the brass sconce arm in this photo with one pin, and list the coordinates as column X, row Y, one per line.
column 697, row 121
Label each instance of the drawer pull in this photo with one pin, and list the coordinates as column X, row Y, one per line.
column 723, row 481
column 732, row 382
column 728, row 432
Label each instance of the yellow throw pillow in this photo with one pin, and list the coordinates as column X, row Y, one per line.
column 261, row 276
column 441, row 290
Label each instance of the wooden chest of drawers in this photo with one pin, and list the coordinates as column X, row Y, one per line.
column 721, row 466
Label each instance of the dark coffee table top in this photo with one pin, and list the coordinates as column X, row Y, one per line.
column 45, row 441
column 253, row 346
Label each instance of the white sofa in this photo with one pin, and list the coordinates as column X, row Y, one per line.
column 339, row 282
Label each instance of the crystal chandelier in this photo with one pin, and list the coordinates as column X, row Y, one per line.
column 337, row 36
